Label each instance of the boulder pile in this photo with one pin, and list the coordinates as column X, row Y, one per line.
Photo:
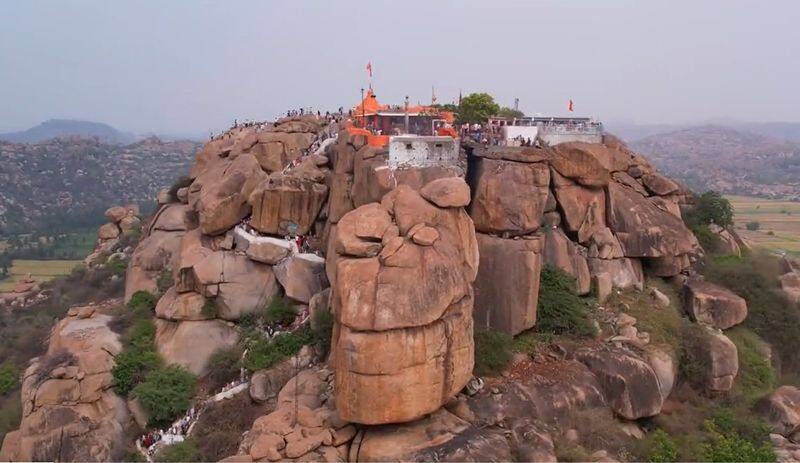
column 597, row 211
column 216, row 247
column 402, row 296
column 122, row 221
column 70, row 412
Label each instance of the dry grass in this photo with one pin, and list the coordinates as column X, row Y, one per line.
column 40, row 270
column 779, row 220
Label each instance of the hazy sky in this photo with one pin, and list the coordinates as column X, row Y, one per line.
column 190, row 66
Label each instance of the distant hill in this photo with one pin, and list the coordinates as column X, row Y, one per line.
column 726, row 160
column 66, row 183
column 55, row 128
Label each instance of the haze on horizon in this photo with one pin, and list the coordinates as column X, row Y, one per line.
column 187, row 67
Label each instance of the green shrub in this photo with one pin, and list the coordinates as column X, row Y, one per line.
column 10, row 413
column 166, row 393
column 142, row 334
column 753, row 226
column 223, row 366
column 663, row 324
column 530, row 341
column 770, row 315
column 709, row 241
column 9, row 377
column 756, row 376
column 247, row 321
column 181, row 452
column 117, row 266
column 209, row 309
column 263, row 353
column 693, row 366
column 280, row 311
column 560, row 309
column 323, row 320
column 726, row 447
column 492, row 352
column 164, row 281
column 661, row 447
column 142, row 300
column 131, row 367
column 741, row 422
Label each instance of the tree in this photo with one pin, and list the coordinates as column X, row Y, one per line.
column 713, row 208
column 510, row 113
column 476, row 108
column 166, row 392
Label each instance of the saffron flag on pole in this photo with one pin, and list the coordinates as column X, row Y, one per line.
column 570, row 104
column 369, row 68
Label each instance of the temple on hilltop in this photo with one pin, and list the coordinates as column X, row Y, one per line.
column 416, row 136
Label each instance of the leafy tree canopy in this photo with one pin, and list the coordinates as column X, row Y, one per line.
column 476, row 108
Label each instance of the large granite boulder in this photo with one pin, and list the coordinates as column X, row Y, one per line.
column 302, row 276
column 191, row 343
column 630, row 385
column 275, row 150
column 713, row 305
column 583, row 208
column 643, row 229
column 509, row 196
column 507, row 286
column 621, row 273
column 558, row 251
column 403, row 333
column 223, row 192
column 172, row 217
column 182, row 306
column 70, row 411
column 406, row 442
column 238, row 284
column 155, row 255
column 282, row 203
column 719, row 353
column 781, row 409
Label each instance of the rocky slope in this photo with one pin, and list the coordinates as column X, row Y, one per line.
column 726, row 160
column 69, row 182
column 410, row 262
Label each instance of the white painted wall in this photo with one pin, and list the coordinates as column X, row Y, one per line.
column 419, row 151
column 512, row 131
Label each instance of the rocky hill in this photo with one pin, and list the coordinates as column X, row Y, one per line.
column 517, row 304
column 727, row 160
column 66, row 182
column 55, row 128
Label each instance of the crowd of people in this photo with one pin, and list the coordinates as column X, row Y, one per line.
column 151, row 441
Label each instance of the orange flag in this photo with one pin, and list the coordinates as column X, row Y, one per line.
column 570, row 104
column 369, row 68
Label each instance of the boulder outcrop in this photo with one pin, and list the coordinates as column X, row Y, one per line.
column 630, row 385
column 70, row 412
column 191, row 343
column 403, row 310
column 507, row 285
column 781, row 409
column 713, row 305
column 509, row 196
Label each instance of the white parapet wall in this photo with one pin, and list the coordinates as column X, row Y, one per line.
column 553, row 135
column 422, row 151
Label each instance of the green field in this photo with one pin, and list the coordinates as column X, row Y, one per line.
column 779, row 222
column 40, row 270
